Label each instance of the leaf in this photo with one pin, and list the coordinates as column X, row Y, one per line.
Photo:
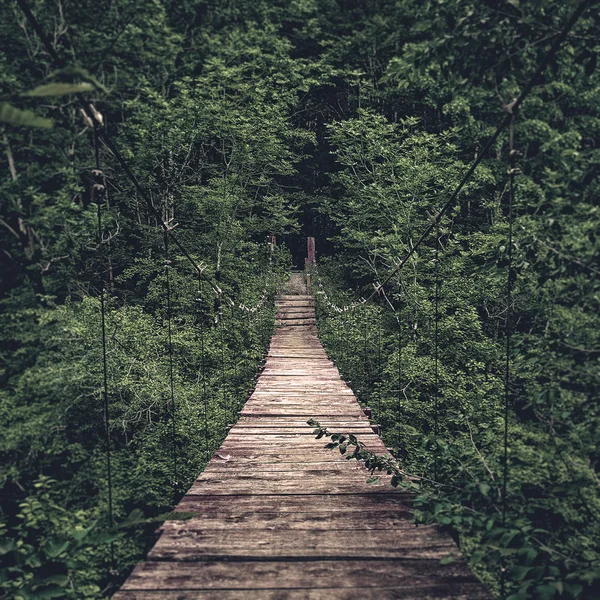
column 515, row 3
column 102, row 538
column 7, row 545
column 449, row 559
column 61, row 580
column 518, row 573
column 80, row 534
column 55, row 548
column 373, row 480
column 15, row 116
column 51, row 591
column 545, row 592
column 59, row 89
column 484, row 488
column 69, row 72
column 135, row 517
column 175, row 516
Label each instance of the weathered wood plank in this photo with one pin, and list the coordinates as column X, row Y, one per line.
column 294, row 503
column 458, row 591
column 338, row 574
column 325, row 520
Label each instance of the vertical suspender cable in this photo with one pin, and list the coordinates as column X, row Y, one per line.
column 235, row 405
column 399, row 391
column 203, row 373
column 379, row 373
column 222, row 340
column 509, row 292
column 170, row 344
column 508, row 327
column 104, row 351
column 365, row 355
column 436, row 350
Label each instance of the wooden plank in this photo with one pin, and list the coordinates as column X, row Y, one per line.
column 196, row 544
column 318, row 520
column 295, row 503
column 336, row 574
column 459, row 591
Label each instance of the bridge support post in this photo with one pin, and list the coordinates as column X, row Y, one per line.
column 309, row 261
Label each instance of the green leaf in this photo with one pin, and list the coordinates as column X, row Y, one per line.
column 135, row 517
column 69, row 72
column 15, row 116
column 59, row 89
column 7, row 545
column 61, row 580
column 518, row 573
column 51, row 591
column 54, row 548
column 545, row 592
column 175, row 516
column 449, row 559
column 484, row 488
column 373, row 480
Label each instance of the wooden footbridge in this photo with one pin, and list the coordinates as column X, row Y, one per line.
column 278, row 516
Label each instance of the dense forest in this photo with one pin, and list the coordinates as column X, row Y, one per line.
column 146, row 248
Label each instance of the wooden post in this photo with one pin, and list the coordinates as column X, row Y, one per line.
column 310, row 248
column 309, row 261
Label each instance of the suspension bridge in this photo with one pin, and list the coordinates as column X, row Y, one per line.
column 276, row 514
column 279, row 516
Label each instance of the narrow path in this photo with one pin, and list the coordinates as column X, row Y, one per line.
column 280, row 517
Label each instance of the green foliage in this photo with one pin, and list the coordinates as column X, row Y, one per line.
column 15, row 116
column 60, row 89
column 348, row 121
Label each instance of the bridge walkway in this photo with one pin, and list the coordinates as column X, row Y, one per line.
column 280, row 517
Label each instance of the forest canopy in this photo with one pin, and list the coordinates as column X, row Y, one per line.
column 349, row 121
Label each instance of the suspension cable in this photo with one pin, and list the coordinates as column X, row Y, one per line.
column 103, row 135
column 511, row 109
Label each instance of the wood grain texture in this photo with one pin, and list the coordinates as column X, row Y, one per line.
column 278, row 516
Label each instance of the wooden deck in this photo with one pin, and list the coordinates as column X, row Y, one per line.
column 280, row 517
